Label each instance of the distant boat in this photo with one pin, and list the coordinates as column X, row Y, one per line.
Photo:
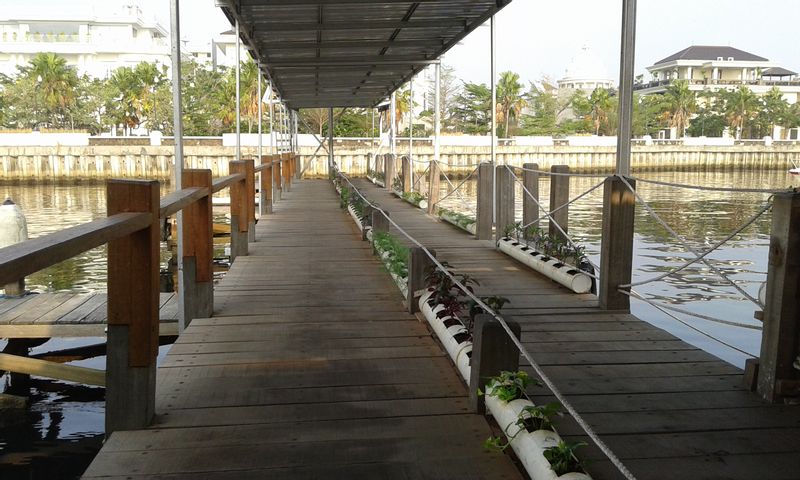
column 794, row 171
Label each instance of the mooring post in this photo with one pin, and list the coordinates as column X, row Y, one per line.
column 390, row 170
column 433, row 187
column 505, row 196
column 196, row 282
column 779, row 362
column 287, row 171
column 277, row 177
column 370, row 165
column 485, row 209
column 132, row 338
column 559, row 195
column 250, row 198
column 298, row 172
column 418, row 264
column 530, row 179
column 239, row 211
column 406, row 174
column 493, row 351
column 616, row 247
column 266, row 185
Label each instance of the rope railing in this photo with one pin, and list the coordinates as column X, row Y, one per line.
column 523, row 351
column 560, row 174
column 456, row 189
column 710, row 189
column 587, row 192
column 663, row 308
column 418, row 181
column 692, row 261
column 685, row 243
column 549, row 217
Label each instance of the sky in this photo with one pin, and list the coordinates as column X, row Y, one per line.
column 537, row 38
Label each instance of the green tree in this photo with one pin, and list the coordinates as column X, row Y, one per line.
column 472, row 108
column 741, row 108
column 510, row 101
column 774, row 112
column 595, row 109
column 54, row 87
column 681, row 104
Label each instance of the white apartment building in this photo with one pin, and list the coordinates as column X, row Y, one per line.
column 719, row 67
column 95, row 37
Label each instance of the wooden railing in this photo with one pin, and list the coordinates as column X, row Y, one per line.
column 132, row 233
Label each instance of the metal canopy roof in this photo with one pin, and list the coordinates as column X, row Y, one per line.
column 350, row 53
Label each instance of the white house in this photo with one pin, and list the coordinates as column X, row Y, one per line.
column 719, row 67
column 95, row 37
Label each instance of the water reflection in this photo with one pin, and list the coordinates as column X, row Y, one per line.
column 703, row 218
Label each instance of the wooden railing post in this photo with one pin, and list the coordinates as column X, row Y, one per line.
column 133, row 301
column 559, row 195
column 418, row 264
column 530, row 210
column 250, row 198
column 196, row 283
column 389, row 170
column 504, row 201
column 266, row 186
column 778, row 378
column 485, row 202
column 616, row 248
column 239, row 212
column 277, row 178
column 286, row 172
column 296, row 166
column 406, row 174
column 379, row 224
column 433, row 187
column 369, row 165
column 376, row 169
column 493, row 351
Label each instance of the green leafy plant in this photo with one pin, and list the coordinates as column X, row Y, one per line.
column 413, row 197
column 539, row 417
column 508, row 230
column 460, row 219
column 397, row 184
column 495, row 444
column 562, row 457
column 509, row 386
column 493, row 302
column 344, row 196
column 397, row 259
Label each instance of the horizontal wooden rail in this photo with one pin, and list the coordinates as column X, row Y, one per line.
column 264, row 166
column 43, row 368
column 225, row 182
column 177, row 201
column 21, row 259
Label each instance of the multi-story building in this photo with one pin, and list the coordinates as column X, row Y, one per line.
column 95, row 37
column 718, row 67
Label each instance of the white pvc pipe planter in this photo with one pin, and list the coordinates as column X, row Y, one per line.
column 458, row 350
column 529, row 446
column 565, row 274
column 355, row 217
column 471, row 228
column 401, row 282
column 422, row 203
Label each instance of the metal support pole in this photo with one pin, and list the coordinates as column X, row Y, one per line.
column 411, row 130
column 437, row 114
column 177, row 119
column 262, row 207
column 626, row 64
column 393, row 125
column 238, row 96
column 493, row 83
column 273, row 139
column 330, row 140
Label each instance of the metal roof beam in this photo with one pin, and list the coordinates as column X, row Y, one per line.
column 272, row 46
column 273, row 26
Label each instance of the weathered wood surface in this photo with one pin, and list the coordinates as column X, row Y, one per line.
column 310, row 368
column 666, row 408
column 70, row 315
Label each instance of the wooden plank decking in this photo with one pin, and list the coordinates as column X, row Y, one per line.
column 310, row 368
column 666, row 408
column 69, row 315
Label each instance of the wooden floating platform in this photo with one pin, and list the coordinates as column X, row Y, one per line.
column 667, row 408
column 49, row 315
column 310, row 368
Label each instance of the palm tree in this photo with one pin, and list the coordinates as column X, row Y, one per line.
column 248, row 83
column 681, row 104
column 600, row 105
column 55, row 84
column 510, row 100
column 741, row 106
column 402, row 106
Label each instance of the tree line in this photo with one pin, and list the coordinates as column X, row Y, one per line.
column 48, row 94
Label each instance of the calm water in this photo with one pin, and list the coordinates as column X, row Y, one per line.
column 703, row 218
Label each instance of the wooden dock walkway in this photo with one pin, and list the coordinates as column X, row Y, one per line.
column 668, row 409
column 49, row 315
column 310, row 368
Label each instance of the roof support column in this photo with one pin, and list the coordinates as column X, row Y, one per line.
column 411, row 130
column 626, row 64
column 493, row 83
column 330, row 140
column 437, row 113
column 273, row 140
column 177, row 122
column 393, row 125
column 238, row 95
column 261, row 203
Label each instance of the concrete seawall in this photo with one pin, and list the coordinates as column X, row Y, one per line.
column 86, row 163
